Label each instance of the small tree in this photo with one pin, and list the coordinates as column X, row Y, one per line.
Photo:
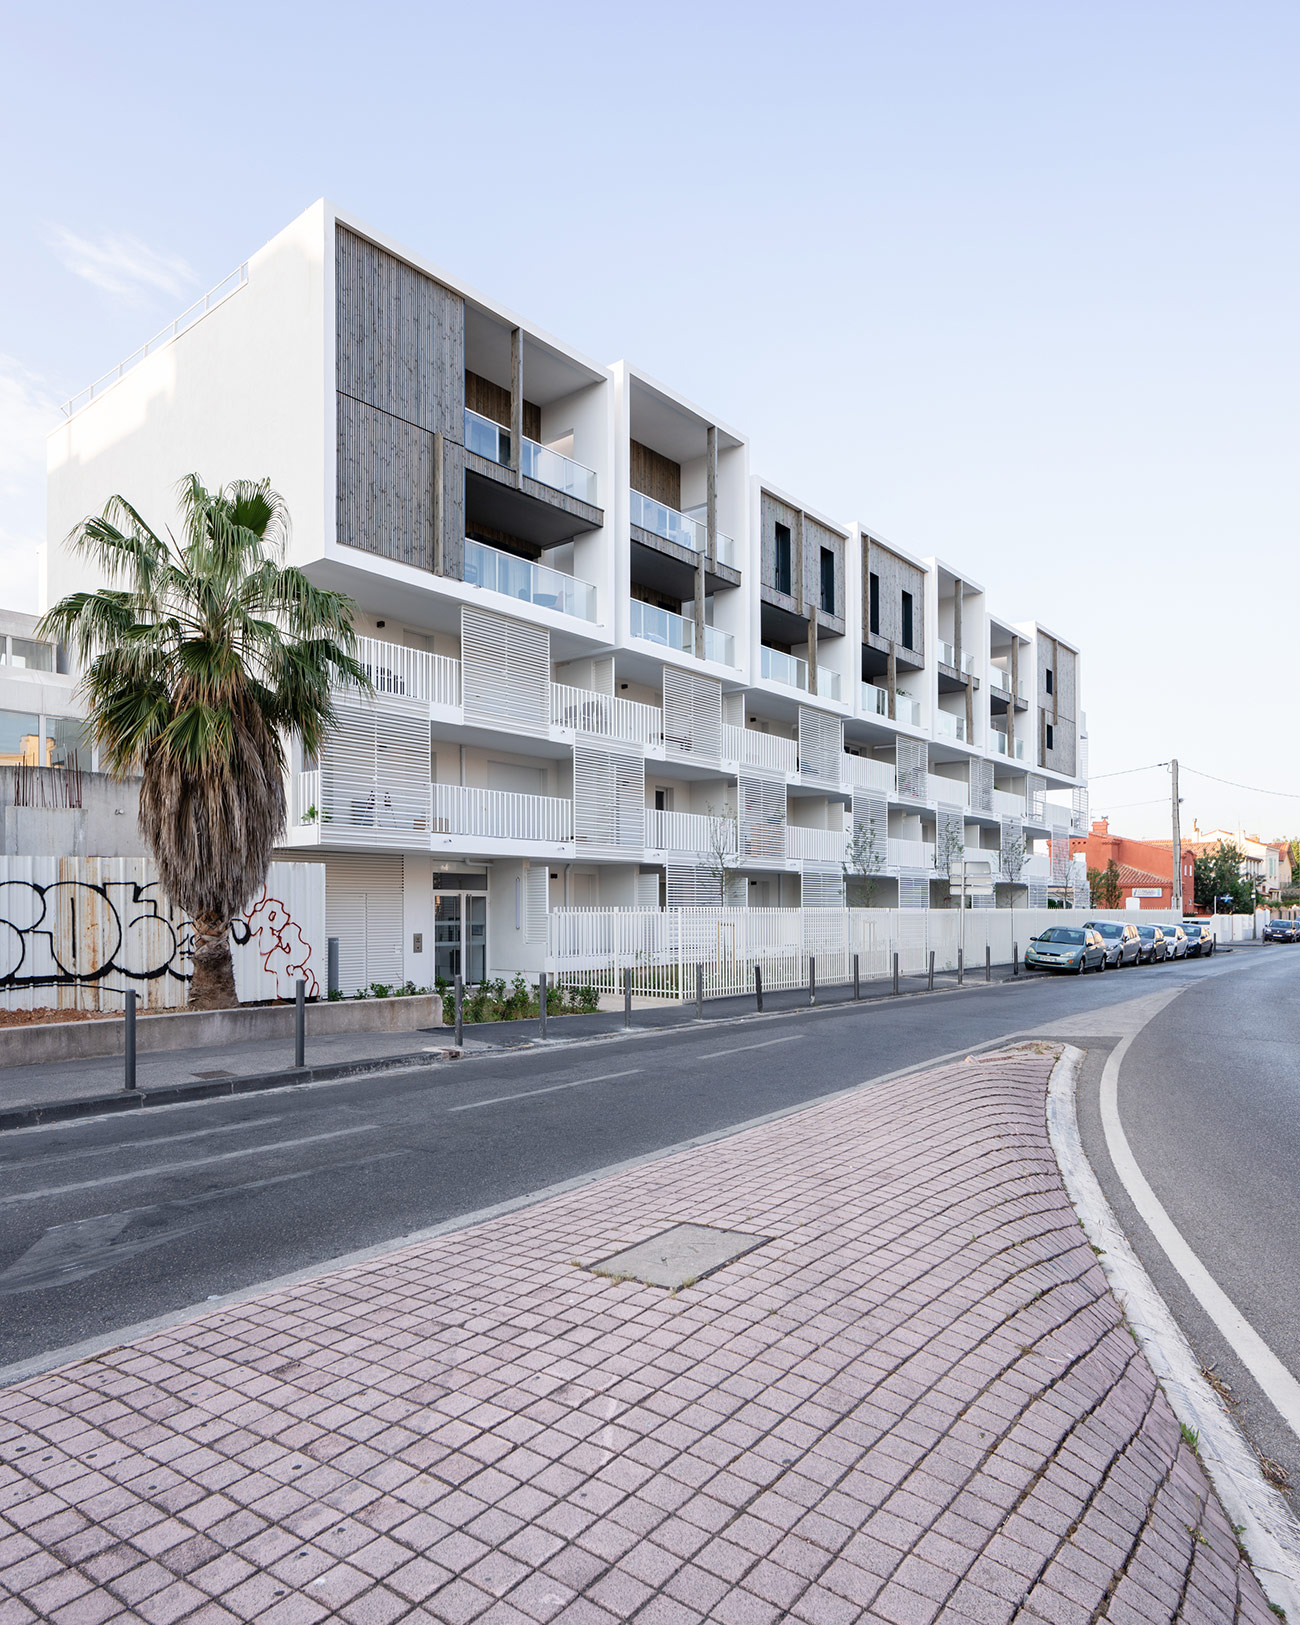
column 863, row 861
column 722, row 858
column 1015, row 852
column 1105, row 887
column 1217, row 875
column 949, row 848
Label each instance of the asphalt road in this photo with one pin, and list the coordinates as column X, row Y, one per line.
column 1209, row 1097
column 108, row 1222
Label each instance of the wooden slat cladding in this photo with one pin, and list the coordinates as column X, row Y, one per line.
column 386, row 498
column 401, row 337
column 656, row 476
column 490, row 400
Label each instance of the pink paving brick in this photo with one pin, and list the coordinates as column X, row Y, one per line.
column 885, row 1412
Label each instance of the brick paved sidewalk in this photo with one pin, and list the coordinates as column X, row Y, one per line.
column 915, row 1402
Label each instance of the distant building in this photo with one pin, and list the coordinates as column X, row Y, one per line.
column 1259, row 859
column 1146, row 871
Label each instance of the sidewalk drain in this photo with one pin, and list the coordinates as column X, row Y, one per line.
column 678, row 1257
column 217, row 1074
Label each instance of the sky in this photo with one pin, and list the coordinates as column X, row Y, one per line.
column 1014, row 284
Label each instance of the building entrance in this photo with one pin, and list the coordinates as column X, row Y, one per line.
column 460, row 927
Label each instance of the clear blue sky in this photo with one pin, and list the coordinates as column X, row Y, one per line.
column 1014, row 283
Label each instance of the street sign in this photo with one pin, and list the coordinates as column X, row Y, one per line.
column 978, row 878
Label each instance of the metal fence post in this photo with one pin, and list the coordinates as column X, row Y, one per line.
column 541, row 1002
column 300, row 1023
column 988, row 962
column 459, row 1006
column 895, row 973
column 857, row 980
column 331, row 965
column 961, row 966
column 812, row 980
column 129, row 1039
column 699, row 992
column 929, row 981
column 1015, row 959
column 627, row 998
column 758, row 987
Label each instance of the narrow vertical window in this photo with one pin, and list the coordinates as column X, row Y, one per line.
column 1049, row 679
column 782, row 562
column 828, row 581
column 907, row 628
column 873, row 601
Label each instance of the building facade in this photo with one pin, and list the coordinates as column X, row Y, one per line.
column 611, row 665
column 1146, row 874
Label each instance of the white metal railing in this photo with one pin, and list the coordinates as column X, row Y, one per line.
column 416, row 673
column 307, row 805
column 670, row 631
column 1005, row 803
column 585, row 711
column 187, row 318
column 948, row 726
column 661, row 520
column 460, row 809
column 818, row 845
column 749, row 748
column 948, row 791
column 1002, row 746
column 866, row 773
column 688, row 832
column 530, row 583
column 905, row 854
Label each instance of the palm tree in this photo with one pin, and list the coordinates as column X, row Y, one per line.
column 198, row 670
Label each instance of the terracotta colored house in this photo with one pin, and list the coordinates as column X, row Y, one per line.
column 1146, row 873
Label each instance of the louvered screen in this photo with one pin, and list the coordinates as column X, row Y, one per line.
column 1059, row 849
column 1035, row 797
column 1037, row 894
column 821, row 744
column 374, row 774
column 913, row 757
column 536, row 882
column 871, row 817
column 762, row 817
column 949, row 841
column 822, row 886
column 647, row 889
column 913, row 889
column 692, row 714
column 363, row 909
column 981, row 785
column 1013, row 849
column 690, row 886
column 505, row 670
column 608, row 797
column 1079, row 810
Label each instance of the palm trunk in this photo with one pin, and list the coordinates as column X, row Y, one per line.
column 213, row 986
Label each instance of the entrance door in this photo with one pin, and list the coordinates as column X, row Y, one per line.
column 460, row 927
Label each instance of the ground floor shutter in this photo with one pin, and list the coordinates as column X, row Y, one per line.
column 363, row 909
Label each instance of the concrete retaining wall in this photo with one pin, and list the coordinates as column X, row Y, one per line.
column 186, row 1029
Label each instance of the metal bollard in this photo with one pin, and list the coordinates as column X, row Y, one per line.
column 300, row 1023
column 812, row 980
column 758, row 987
column 929, row 982
column 699, row 993
column 128, row 1042
column 895, row 974
column 458, row 1004
column 1015, row 959
column 541, row 1003
column 627, row 998
column 857, row 980
column 988, row 963
column 331, row 964
column 961, row 966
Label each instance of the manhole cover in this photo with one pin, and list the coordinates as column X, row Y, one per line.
column 217, row 1074
column 679, row 1256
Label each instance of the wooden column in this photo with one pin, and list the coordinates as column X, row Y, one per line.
column 956, row 623
column 711, row 496
column 699, row 608
column 970, row 710
column 891, row 679
column 796, row 585
column 517, row 404
column 1015, row 684
column 439, row 503
column 812, row 648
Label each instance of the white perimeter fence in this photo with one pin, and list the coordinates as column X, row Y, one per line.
column 662, row 947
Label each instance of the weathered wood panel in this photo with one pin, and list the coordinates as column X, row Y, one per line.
column 655, row 475
column 401, row 337
column 897, row 576
column 490, row 400
column 386, row 485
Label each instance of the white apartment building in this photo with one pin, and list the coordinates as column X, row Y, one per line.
column 612, row 666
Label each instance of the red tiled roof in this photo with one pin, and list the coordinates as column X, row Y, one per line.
column 1129, row 876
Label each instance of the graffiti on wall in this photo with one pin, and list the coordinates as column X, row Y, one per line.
column 76, row 933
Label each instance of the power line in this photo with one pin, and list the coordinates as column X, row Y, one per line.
column 1254, row 789
column 1121, row 771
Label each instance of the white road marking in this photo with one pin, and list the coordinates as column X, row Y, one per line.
column 736, row 1048
column 498, row 1100
column 136, row 1145
column 183, row 1167
column 1280, row 1387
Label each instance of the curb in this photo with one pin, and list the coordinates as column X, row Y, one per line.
column 1267, row 1527
column 59, row 1111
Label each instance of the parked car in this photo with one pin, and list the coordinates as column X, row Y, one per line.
column 1175, row 941
column 1200, row 938
column 1066, row 947
column 1122, row 942
column 1153, row 944
column 1280, row 931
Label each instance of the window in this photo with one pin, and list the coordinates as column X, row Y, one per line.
column 828, row 581
column 663, row 799
column 67, row 742
column 873, row 599
column 1050, row 736
column 782, row 570
column 907, row 621
column 20, row 739
column 31, row 654
column 1049, row 679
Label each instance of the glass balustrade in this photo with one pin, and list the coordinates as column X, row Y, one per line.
column 875, row 701
column 486, row 438
column 559, row 472
column 685, row 531
column 530, row 583
column 949, row 726
column 669, row 631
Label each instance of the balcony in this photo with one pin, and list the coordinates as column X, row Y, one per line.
column 749, row 748
column 946, row 792
column 414, row 673
column 814, row 845
column 947, row 726
column 948, row 657
column 792, row 672
column 875, row 703
column 536, row 462
column 584, row 711
column 689, row 832
column 501, row 815
column 528, row 582
column 865, row 773
column 660, row 520
column 660, row 626
column 1007, row 805
column 1002, row 746
column 1000, row 679
column 910, row 854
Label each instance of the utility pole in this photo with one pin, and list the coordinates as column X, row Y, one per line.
column 1178, row 841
